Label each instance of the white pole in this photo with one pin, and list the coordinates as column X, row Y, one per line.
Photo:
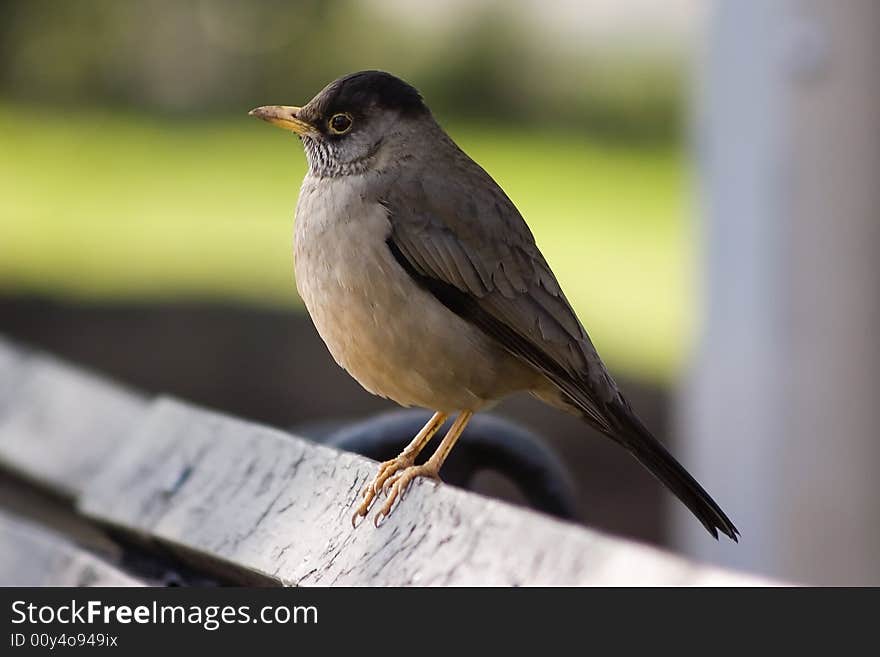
column 781, row 413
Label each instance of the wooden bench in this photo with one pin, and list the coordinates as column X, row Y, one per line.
column 246, row 503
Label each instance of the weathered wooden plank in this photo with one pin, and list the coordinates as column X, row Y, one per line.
column 33, row 556
column 280, row 506
column 58, row 424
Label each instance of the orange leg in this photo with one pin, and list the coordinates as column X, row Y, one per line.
column 397, row 484
column 401, row 462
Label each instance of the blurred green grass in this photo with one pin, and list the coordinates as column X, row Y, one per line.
column 111, row 205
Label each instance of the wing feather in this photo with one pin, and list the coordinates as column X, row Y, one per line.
column 491, row 263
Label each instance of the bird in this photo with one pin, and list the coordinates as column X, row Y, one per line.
column 427, row 286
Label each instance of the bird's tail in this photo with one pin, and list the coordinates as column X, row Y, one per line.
column 617, row 420
column 635, row 437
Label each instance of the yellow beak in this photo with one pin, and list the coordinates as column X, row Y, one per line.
column 284, row 117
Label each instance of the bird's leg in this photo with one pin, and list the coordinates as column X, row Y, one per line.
column 404, row 460
column 397, row 484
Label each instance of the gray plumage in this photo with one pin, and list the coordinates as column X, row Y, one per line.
column 425, row 282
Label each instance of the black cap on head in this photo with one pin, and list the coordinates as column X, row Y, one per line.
column 358, row 91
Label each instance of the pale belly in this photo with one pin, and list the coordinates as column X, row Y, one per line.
column 394, row 338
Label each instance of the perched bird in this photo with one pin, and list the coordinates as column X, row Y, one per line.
column 427, row 286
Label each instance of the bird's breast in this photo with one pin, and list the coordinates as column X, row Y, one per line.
column 340, row 255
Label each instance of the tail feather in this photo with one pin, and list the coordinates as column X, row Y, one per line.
column 635, row 437
column 616, row 419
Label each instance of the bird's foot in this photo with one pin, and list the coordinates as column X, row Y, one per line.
column 395, row 486
column 386, row 471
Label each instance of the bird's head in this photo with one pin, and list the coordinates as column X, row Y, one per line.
column 348, row 125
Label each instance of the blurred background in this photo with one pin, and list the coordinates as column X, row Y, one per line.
column 701, row 176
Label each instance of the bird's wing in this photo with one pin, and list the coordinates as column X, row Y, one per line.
column 463, row 239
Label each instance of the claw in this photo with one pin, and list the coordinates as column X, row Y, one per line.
column 389, row 470
column 369, row 497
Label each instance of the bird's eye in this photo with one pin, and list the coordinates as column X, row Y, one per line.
column 340, row 123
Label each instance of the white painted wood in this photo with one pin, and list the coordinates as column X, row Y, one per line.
column 780, row 416
column 59, row 424
column 240, row 496
column 281, row 506
column 33, row 556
